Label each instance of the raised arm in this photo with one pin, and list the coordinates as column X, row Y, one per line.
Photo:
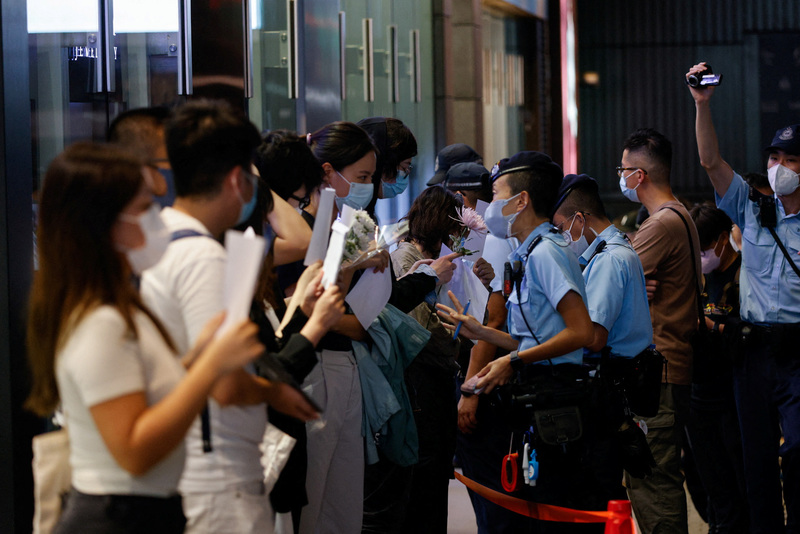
column 717, row 168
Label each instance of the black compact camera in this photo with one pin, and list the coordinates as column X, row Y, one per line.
column 704, row 78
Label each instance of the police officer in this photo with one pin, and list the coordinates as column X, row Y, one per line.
column 547, row 319
column 767, row 379
column 618, row 307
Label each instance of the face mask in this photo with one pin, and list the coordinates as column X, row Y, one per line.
column 580, row 245
column 392, row 190
column 156, row 239
column 630, row 194
column 709, row 259
column 782, row 180
column 250, row 205
column 169, row 198
column 498, row 224
column 359, row 196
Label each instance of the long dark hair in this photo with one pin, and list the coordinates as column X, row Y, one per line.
column 431, row 219
column 85, row 189
column 341, row 144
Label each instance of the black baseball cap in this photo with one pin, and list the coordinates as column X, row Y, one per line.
column 467, row 176
column 449, row 156
column 569, row 183
column 528, row 160
column 786, row 139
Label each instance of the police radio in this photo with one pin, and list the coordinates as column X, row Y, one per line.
column 766, row 206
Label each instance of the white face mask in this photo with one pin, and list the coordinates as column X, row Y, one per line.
column 499, row 225
column 630, row 194
column 783, row 180
column 156, row 239
column 710, row 260
column 579, row 245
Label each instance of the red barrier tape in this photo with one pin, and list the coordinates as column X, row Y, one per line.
column 617, row 518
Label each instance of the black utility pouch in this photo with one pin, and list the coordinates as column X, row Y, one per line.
column 558, row 426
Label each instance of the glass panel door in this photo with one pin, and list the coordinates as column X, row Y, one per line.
column 68, row 102
column 276, row 82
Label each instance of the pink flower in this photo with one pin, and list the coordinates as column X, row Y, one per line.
column 469, row 218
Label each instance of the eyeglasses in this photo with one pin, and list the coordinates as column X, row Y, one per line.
column 402, row 173
column 571, row 220
column 302, row 202
column 621, row 170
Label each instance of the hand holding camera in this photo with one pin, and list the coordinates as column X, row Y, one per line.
column 701, row 76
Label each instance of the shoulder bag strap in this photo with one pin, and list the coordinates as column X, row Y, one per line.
column 785, row 252
column 700, row 313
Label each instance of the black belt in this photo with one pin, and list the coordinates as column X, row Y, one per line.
column 776, row 329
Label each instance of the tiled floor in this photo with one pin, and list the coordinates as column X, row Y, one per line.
column 461, row 519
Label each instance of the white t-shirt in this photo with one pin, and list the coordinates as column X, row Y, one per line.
column 101, row 361
column 185, row 290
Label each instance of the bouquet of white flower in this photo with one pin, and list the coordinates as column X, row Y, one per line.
column 365, row 239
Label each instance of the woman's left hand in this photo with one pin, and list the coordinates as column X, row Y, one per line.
column 496, row 373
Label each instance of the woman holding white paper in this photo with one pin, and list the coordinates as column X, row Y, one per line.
column 99, row 352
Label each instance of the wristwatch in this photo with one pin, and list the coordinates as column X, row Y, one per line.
column 516, row 362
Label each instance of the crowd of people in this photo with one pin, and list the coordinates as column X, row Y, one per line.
column 603, row 366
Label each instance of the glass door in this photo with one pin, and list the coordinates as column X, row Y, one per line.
column 276, row 76
column 89, row 60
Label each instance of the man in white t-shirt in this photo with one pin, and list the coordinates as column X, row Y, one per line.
column 210, row 149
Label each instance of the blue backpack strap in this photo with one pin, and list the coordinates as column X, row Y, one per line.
column 186, row 232
column 205, row 419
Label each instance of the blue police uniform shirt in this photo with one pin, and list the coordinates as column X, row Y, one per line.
column 769, row 290
column 551, row 271
column 616, row 294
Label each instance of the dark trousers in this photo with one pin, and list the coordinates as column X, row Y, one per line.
column 481, row 455
column 387, row 489
column 767, row 389
column 121, row 514
column 430, row 391
column 716, row 446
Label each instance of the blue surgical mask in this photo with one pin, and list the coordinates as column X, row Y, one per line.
column 397, row 188
column 499, row 225
column 359, row 196
column 250, row 205
column 169, row 198
column 628, row 193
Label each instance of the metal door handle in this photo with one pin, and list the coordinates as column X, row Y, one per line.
column 248, row 50
column 395, row 65
column 369, row 61
column 417, row 67
column 106, row 72
column 185, row 82
column 342, row 60
column 294, row 87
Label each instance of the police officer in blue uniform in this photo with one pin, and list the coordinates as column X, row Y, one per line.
column 767, row 377
column 618, row 307
column 548, row 322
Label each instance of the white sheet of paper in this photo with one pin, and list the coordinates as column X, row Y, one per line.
column 322, row 228
column 476, row 241
column 333, row 258
column 466, row 286
column 245, row 254
column 370, row 295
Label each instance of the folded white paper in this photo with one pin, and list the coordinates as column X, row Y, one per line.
column 245, row 254
column 322, row 228
column 466, row 286
column 370, row 295
column 333, row 258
